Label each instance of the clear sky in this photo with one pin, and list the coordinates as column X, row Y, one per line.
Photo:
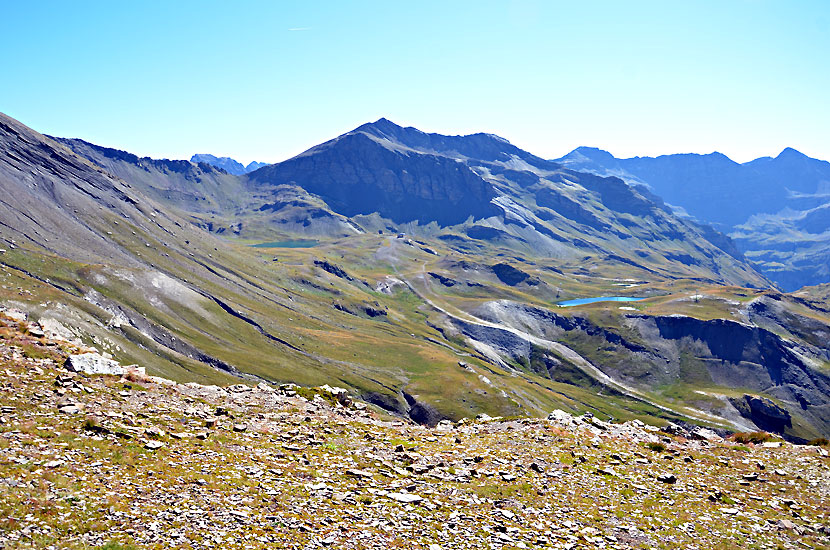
column 266, row 80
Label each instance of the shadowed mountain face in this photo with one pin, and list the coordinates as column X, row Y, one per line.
column 367, row 171
column 774, row 208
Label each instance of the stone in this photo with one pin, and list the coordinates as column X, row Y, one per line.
column 153, row 445
column 93, row 363
column 359, row 473
column 560, row 416
column 704, row 434
column 239, row 428
column 667, row 478
column 344, row 399
column 66, row 405
column 406, row 498
column 786, row 524
column 673, row 429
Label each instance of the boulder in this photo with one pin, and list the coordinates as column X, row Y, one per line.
column 561, row 417
column 704, row 434
column 93, row 363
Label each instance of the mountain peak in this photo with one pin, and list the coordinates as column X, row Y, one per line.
column 594, row 153
column 790, row 153
column 382, row 126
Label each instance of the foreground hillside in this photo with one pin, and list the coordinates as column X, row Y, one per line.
column 128, row 462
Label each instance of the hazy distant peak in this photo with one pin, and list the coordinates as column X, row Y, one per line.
column 592, row 153
column 254, row 165
column 227, row 164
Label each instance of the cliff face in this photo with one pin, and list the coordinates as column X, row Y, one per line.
column 743, row 356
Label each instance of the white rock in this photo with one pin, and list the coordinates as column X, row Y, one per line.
column 705, row 434
column 407, row 498
column 93, row 363
column 16, row 314
column 561, row 417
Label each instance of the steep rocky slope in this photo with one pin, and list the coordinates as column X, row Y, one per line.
column 770, row 351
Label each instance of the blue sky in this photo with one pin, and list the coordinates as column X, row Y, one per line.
column 266, row 80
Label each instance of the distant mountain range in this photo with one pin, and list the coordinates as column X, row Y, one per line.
column 776, row 209
column 227, row 164
column 471, row 191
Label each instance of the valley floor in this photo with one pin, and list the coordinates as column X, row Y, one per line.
column 109, row 462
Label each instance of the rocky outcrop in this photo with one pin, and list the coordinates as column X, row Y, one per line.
column 512, row 276
column 446, row 281
column 334, row 269
column 422, row 413
column 763, row 412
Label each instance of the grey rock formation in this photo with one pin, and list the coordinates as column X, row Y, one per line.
column 93, row 363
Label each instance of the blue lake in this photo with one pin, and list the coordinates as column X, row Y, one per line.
column 287, row 244
column 583, row 301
